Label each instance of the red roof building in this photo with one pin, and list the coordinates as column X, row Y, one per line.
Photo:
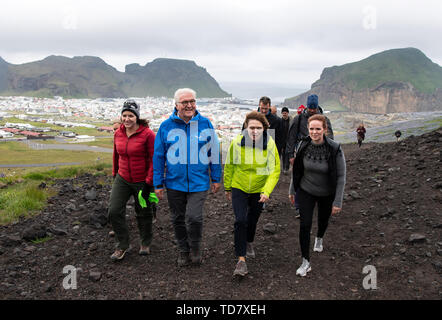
column 109, row 129
column 11, row 130
column 30, row 133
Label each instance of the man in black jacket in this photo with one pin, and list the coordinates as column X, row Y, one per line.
column 274, row 121
column 299, row 127
column 285, row 126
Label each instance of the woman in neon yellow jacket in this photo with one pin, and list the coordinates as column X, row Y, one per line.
column 250, row 174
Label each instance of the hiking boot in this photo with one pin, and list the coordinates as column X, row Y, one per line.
column 183, row 259
column 195, row 256
column 241, row 269
column 118, row 254
column 318, row 245
column 297, row 214
column 250, row 253
column 304, row 268
column 112, row 233
column 144, row 250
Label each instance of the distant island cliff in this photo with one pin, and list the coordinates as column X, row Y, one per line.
column 91, row 77
column 397, row 80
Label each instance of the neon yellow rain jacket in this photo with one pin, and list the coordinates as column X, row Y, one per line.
column 252, row 169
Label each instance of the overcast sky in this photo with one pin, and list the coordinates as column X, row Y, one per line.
column 271, row 41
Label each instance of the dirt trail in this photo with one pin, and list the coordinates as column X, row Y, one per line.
column 391, row 220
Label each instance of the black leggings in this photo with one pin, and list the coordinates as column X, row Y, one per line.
column 306, row 206
column 247, row 210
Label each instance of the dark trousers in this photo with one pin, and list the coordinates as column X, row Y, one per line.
column 186, row 210
column 297, row 199
column 120, row 194
column 307, row 204
column 247, row 210
column 285, row 160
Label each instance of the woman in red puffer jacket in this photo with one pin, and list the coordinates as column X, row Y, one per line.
column 132, row 170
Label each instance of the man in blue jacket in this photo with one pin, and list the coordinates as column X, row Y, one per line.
column 186, row 159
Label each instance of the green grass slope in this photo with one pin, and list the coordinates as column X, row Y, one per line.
column 396, row 65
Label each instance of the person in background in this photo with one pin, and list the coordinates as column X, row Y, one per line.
column 116, row 124
column 318, row 177
column 299, row 130
column 188, row 146
column 360, row 134
column 285, row 125
column 274, row 110
column 273, row 120
column 250, row 174
column 300, row 109
column 132, row 170
column 398, row 134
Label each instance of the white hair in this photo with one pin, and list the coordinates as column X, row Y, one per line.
column 182, row 91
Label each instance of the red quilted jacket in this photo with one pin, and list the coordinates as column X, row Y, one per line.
column 133, row 155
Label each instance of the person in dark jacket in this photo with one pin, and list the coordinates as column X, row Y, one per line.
column 274, row 121
column 132, row 170
column 360, row 131
column 319, row 178
column 186, row 161
column 299, row 130
column 285, row 126
column 300, row 109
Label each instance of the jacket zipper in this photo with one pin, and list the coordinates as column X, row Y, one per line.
column 251, row 167
column 188, row 157
column 128, row 158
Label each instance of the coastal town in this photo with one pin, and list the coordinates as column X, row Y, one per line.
column 226, row 115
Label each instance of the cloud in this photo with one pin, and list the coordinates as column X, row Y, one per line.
column 284, row 41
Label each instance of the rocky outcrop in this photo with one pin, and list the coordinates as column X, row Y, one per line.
column 390, row 97
column 400, row 80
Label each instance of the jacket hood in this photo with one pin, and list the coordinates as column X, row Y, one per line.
column 246, row 139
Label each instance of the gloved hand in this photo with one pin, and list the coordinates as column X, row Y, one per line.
column 147, row 189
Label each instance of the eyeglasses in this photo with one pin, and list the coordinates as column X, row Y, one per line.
column 187, row 102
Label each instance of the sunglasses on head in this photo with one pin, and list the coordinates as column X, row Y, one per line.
column 130, row 104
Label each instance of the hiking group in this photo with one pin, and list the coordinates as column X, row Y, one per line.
column 182, row 162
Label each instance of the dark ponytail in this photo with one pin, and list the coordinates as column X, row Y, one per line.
column 143, row 122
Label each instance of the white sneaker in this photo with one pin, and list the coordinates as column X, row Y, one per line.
column 318, row 245
column 304, row 268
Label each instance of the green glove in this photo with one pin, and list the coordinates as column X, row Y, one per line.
column 152, row 199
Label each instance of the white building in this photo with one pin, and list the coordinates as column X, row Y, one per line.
column 4, row 134
column 83, row 138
